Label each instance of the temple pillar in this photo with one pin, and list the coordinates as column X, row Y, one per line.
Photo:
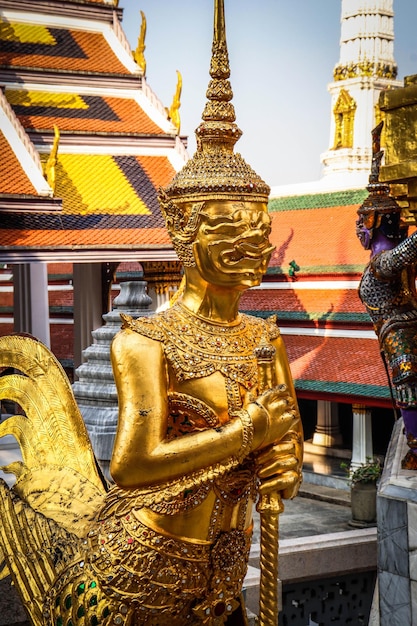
column 95, row 389
column 327, row 433
column 362, row 447
column 88, row 309
column 30, row 300
column 163, row 279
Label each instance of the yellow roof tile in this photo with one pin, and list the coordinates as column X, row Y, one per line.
column 96, row 184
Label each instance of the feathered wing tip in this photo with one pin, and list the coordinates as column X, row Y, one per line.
column 35, row 550
column 58, row 475
column 53, row 430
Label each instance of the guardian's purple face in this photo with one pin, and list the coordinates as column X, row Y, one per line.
column 364, row 233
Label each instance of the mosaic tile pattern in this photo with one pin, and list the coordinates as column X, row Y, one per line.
column 31, row 45
column 307, row 305
column 73, row 112
column 329, row 230
column 106, row 201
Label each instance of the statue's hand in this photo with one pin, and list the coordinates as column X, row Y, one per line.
column 273, row 414
column 278, row 470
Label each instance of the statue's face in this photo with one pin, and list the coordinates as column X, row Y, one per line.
column 364, row 229
column 232, row 247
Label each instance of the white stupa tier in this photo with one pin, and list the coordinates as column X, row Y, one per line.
column 365, row 68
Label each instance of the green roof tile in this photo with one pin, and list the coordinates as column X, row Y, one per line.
column 318, row 200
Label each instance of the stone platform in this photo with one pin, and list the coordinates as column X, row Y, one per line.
column 397, row 530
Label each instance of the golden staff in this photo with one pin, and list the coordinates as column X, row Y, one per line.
column 269, row 507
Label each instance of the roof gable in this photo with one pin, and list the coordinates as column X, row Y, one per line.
column 14, row 179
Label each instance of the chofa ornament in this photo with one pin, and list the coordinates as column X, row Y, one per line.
column 208, row 424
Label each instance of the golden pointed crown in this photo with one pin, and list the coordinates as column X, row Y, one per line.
column 216, row 171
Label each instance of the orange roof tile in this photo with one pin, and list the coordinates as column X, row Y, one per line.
column 319, row 240
column 72, row 112
column 325, row 305
column 317, row 231
column 107, row 201
column 337, row 365
column 13, row 179
column 86, row 237
column 35, row 46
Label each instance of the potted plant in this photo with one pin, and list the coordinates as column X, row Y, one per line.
column 363, row 487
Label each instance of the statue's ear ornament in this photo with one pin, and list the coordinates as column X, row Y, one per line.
column 182, row 224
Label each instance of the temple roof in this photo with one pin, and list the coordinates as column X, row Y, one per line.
column 73, row 112
column 348, row 368
column 332, row 348
column 323, row 304
column 73, row 90
column 38, row 46
column 317, row 231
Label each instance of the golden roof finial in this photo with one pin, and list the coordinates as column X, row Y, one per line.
column 216, row 171
column 173, row 112
column 138, row 54
column 50, row 172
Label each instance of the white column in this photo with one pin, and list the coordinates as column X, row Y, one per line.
column 30, row 300
column 160, row 299
column 362, row 435
column 87, row 306
column 327, row 431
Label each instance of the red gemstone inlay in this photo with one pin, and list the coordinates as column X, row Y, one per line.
column 219, row 609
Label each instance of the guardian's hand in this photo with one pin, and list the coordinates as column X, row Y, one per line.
column 273, row 414
column 279, row 469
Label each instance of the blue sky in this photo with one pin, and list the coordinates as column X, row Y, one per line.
column 282, row 54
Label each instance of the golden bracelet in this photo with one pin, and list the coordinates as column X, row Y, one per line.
column 247, row 433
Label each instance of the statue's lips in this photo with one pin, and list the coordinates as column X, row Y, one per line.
column 250, row 252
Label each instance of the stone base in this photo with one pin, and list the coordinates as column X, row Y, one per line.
column 397, row 536
column 315, row 558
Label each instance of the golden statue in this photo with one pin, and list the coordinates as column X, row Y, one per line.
column 208, row 422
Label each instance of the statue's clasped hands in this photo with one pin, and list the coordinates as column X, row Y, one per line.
column 275, row 416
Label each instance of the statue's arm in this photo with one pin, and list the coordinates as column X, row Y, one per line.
column 142, row 454
column 392, row 262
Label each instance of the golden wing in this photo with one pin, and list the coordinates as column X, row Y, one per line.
column 59, row 488
column 58, row 475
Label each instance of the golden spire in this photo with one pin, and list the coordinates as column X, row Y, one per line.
column 173, row 112
column 138, row 54
column 50, row 172
column 215, row 171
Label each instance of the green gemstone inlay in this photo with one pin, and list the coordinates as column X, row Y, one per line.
column 59, row 621
column 93, row 584
column 93, row 600
column 94, row 621
column 106, row 612
column 81, row 611
column 68, row 602
column 57, row 600
column 80, row 589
